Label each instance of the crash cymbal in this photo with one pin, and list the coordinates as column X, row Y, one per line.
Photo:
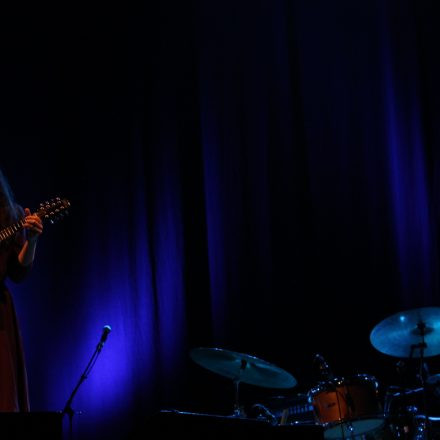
column 404, row 334
column 242, row 368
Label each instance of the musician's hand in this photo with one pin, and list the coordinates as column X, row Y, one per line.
column 33, row 225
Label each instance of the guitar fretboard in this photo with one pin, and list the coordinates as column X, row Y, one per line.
column 11, row 230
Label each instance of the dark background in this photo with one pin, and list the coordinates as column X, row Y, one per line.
column 256, row 176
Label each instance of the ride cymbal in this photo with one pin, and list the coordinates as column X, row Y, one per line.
column 242, row 368
column 409, row 333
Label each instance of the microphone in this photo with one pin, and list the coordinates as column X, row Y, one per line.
column 324, row 369
column 105, row 331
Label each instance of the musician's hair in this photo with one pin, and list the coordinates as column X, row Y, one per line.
column 9, row 210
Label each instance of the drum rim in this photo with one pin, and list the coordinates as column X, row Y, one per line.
column 377, row 416
column 383, row 422
column 339, row 381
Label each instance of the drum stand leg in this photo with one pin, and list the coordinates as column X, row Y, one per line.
column 238, row 410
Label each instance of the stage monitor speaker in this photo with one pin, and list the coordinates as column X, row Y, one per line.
column 175, row 424
column 31, row 426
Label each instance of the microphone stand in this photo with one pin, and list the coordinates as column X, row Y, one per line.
column 67, row 407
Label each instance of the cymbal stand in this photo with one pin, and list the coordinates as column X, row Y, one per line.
column 424, row 430
column 402, row 421
column 238, row 410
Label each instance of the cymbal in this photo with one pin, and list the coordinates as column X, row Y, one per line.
column 242, row 367
column 404, row 334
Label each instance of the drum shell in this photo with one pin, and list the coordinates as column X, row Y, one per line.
column 345, row 399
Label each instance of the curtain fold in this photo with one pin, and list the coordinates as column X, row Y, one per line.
column 257, row 176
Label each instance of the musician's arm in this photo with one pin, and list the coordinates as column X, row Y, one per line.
column 34, row 228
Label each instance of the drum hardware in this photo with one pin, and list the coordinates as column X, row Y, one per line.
column 403, row 403
column 403, row 410
column 262, row 412
column 242, row 368
column 326, row 374
column 421, row 428
column 403, row 335
column 291, row 410
column 400, row 409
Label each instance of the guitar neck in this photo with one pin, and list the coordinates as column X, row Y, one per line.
column 50, row 210
column 8, row 232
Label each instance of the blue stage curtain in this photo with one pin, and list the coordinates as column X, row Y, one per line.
column 261, row 176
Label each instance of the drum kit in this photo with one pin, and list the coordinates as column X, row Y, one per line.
column 350, row 407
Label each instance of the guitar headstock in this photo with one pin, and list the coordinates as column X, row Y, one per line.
column 53, row 209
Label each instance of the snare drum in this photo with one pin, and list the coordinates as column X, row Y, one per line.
column 348, row 407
